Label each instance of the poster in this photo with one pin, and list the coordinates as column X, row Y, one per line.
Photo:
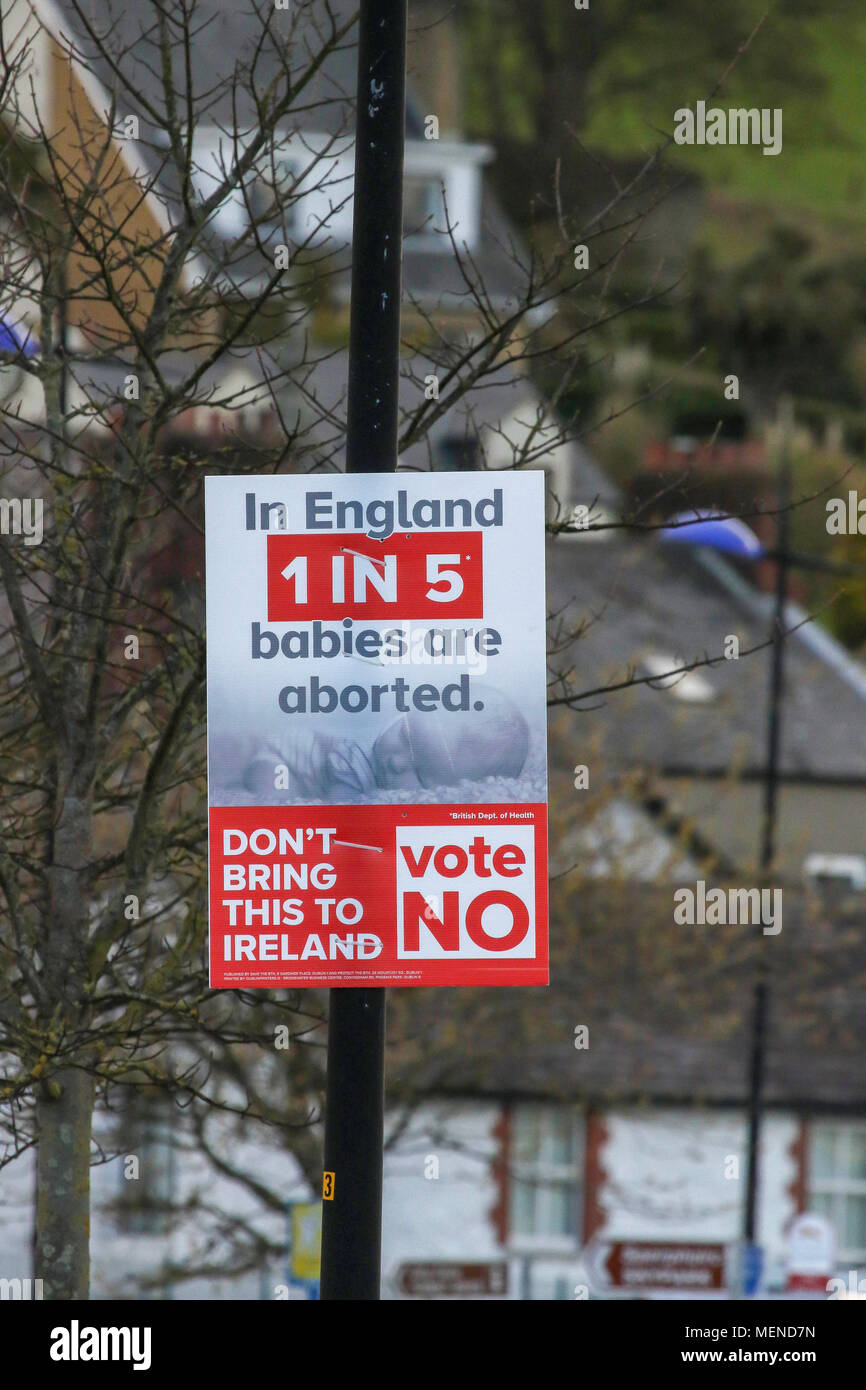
column 376, row 729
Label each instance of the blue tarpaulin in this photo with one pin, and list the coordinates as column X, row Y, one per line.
column 719, row 532
column 13, row 340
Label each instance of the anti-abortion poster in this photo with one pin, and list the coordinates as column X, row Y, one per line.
column 376, row 729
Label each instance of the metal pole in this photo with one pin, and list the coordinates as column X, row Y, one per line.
column 354, row 1112
column 760, row 1010
column 756, row 1085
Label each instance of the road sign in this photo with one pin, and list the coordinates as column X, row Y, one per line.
column 305, row 1238
column 305, row 1248
column 435, row 1279
column 811, row 1256
column 651, row 1266
column 376, row 729
column 751, row 1268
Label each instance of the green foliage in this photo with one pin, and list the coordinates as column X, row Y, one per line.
column 614, row 75
column 786, row 318
column 848, row 613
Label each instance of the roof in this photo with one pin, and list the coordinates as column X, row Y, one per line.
column 504, row 399
column 668, row 1006
column 668, row 1009
column 248, row 40
column 235, row 54
column 648, row 598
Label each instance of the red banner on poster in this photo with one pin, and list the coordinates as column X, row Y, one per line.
column 444, row 895
column 328, row 577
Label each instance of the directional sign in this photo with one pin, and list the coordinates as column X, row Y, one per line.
column 306, row 1239
column 439, row 1280
column 751, row 1268
column 638, row 1264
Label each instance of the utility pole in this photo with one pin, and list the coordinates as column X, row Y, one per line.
column 355, row 1104
column 761, row 996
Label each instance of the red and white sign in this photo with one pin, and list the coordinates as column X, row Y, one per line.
column 439, row 1279
column 655, row 1266
column 811, row 1253
column 376, row 730
column 331, row 577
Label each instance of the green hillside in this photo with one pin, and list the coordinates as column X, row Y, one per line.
column 821, row 166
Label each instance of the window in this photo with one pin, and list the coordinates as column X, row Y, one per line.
column 422, row 200
column 837, row 1173
column 623, row 840
column 689, row 686
column 442, row 186
column 272, row 200
column 268, row 199
column 146, row 1186
column 836, row 873
column 545, row 1184
column 459, row 453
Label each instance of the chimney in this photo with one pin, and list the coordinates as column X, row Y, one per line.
column 434, row 62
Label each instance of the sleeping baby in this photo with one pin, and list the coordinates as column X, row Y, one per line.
column 420, row 749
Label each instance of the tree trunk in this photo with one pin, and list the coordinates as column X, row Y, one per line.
column 66, row 1097
column 63, row 1187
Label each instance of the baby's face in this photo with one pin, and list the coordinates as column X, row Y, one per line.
column 392, row 758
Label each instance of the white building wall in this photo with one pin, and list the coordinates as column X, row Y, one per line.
column 446, row 1217
column 665, row 1181
column 16, row 1217
column 119, row 1259
column 670, row 1175
column 678, row 1175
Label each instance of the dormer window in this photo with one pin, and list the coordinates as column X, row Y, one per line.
column 689, row 686
column 300, row 187
column 271, row 205
column 442, row 189
column 836, row 873
column 459, row 453
column 422, row 200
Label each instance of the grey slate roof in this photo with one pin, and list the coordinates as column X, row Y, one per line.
column 668, row 1009
column 224, row 39
column 654, row 598
column 668, row 1006
column 486, row 407
column 233, row 39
